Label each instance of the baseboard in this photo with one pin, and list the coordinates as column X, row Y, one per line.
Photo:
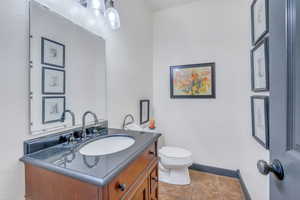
column 215, row 170
column 243, row 185
column 224, row 172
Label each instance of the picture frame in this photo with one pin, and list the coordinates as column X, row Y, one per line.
column 260, row 66
column 144, row 111
column 260, row 119
column 193, row 81
column 53, row 81
column 53, row 108
column 259, row 19
column 53, row 53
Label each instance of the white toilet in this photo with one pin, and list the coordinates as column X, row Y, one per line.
column 173, row 165
column 173, row 161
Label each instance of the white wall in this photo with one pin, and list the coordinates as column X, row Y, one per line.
column 129, row 52
column 129, row 59
column 217, row 131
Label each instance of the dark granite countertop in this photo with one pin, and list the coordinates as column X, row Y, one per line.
column 98, row 170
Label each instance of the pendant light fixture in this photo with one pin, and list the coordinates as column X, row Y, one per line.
column 106, row 8
column 112, row 16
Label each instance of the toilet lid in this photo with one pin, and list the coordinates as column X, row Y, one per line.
column 174, row 152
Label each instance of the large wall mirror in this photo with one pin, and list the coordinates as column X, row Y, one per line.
column 67, row 71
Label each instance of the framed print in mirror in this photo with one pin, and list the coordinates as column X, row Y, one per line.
column 144, row 111
column 53, row 108
column 260, row 120
column 53, row 53
column 53, row 81
column 260, row 66
column 193, row 81
column 259, row 19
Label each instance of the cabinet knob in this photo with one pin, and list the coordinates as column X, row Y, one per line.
column 155, row 179
column 122, row 187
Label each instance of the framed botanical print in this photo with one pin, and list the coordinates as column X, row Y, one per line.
column 144, row 111
column 53, row 81
column 53, row 108
column 53, row 53
column 193, row 81
column 259, row 19
column 260, row 66
column 260, row 120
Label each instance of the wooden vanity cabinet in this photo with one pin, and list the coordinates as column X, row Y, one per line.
column 139, row 181
column 122, row 184
column 153, row 183
column 143, row 189
column 142, row 192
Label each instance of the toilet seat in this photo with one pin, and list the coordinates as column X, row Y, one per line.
column 174, row 152
column 175, row 157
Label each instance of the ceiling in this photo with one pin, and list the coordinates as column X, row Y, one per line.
column 163, row 4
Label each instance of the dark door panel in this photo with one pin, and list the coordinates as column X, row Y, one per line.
column 285, row 97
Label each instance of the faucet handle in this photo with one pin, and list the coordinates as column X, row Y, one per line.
column 71, row 139
column 92, row 131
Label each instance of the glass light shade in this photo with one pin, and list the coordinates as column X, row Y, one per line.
column 94, row 4
column 97, row 12
column 113, row 18
column 97, row 6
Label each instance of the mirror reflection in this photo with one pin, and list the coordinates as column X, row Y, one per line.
column 67, row 73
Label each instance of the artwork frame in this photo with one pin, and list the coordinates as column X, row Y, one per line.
column 52, row 53
column 45, row 110
column 259, row 27
column 49, row 89
column 260, row 104
column 260, row 77
column 210, row 82
column 144, row 114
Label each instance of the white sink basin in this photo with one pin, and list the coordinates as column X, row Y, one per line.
column 107, row 145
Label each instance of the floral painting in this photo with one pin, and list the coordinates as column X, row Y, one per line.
column 193, row 81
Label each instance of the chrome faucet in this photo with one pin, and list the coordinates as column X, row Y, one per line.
column 127, row 123
column 84, row 122
column 63, row 118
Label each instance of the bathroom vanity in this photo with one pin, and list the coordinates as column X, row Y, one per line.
column 68, row 75
column 61, row 172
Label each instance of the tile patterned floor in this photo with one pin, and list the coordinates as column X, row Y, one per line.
column 204, row 186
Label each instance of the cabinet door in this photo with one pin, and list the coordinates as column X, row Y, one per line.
column 142, row 192
column 153, row 184
column 130, row 175
column 42, row 184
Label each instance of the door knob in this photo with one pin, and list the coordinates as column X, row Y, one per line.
column 275, row 167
